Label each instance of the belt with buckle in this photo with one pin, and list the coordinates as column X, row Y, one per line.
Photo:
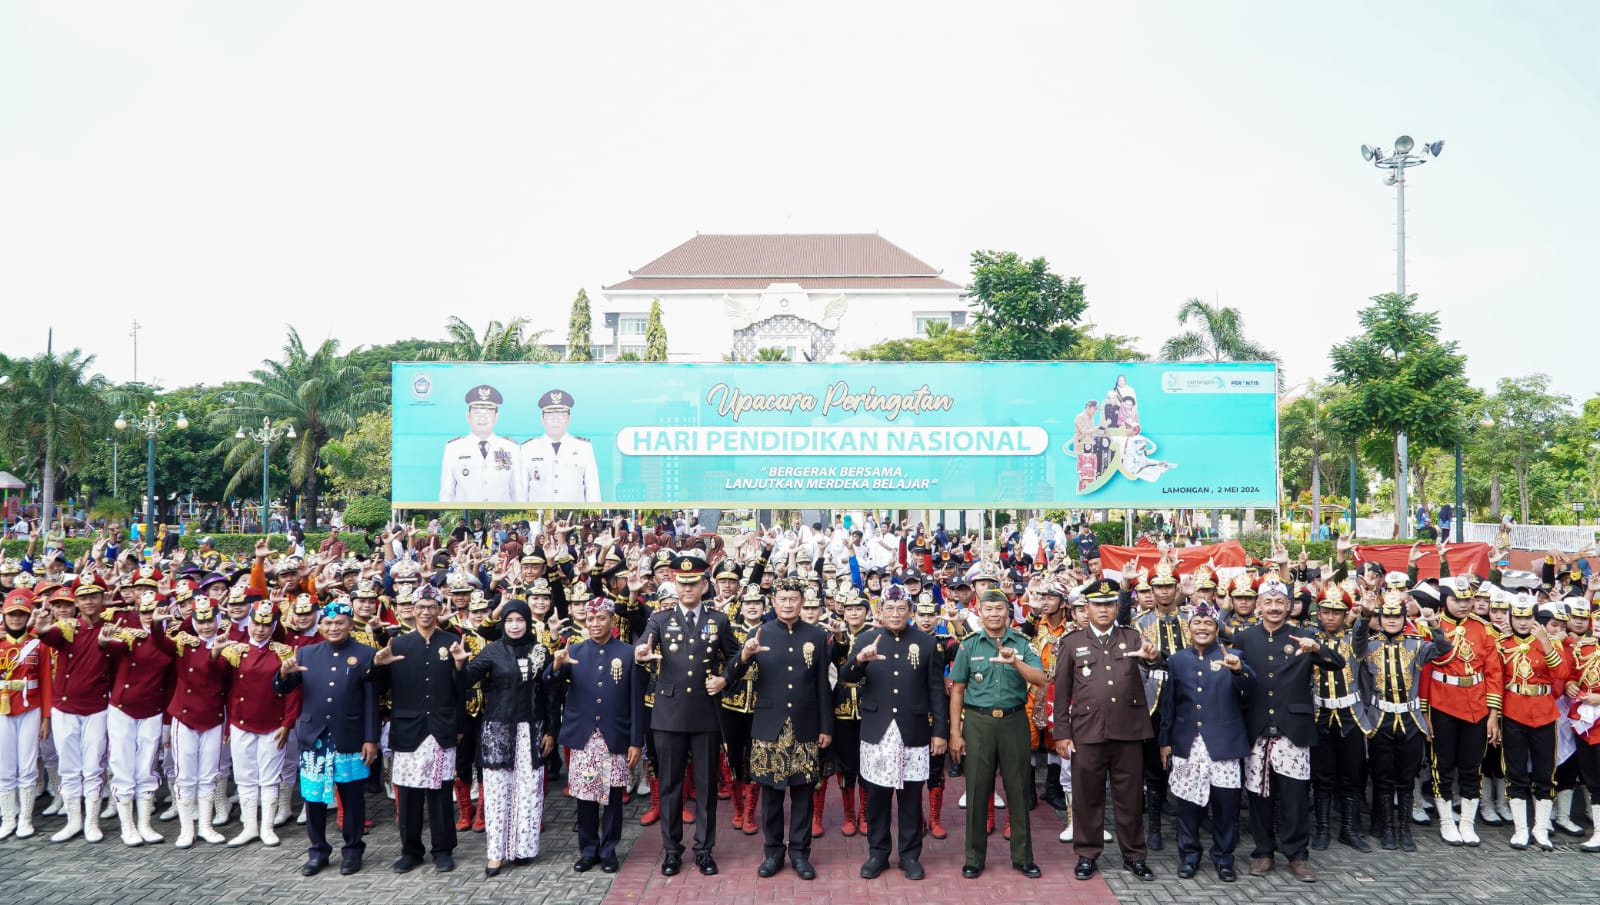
column 1405, row 707
column 1530, row 690
column 996, row 712
column 1466, row 681
column 1348, row 700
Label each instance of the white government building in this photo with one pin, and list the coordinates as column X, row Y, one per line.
column 816, row 296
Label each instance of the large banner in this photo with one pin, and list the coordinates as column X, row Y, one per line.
column 886, row 435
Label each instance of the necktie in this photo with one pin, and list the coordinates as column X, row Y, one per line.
column 483, row 448
column 555, row 445
column 691, row 621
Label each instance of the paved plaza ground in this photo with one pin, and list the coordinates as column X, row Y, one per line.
column 36, row 872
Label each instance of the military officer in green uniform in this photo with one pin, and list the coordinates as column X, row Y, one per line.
column 989, row 725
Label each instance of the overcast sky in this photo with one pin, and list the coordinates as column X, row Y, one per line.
column 221, row 170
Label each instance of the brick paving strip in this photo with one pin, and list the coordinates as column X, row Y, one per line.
column 36, row 872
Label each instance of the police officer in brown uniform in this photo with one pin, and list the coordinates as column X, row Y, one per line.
column 1102, row 720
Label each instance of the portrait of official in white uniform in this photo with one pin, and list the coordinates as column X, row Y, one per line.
column 480, row 467
column 558, row 467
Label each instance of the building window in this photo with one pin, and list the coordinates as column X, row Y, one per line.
column 635, row 348
column 794, row 345
column 630, row 327
column 923, row 320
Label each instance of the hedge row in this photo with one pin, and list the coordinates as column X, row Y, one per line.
column 232, row 545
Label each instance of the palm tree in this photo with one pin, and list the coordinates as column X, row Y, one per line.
column 771, row 353
column 1220, row 338
column 49, row 414
column 318, row 391
column 509, row 341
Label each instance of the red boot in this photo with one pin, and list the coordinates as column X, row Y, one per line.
column 652, row 814
column 463, row 806
column 477, row 819
column 736, row 792
column 818, row 799
column 752, row 797
column 688, row 797
column 861, row 808
column 725, row 779
column 1008, row 824
column 991, row 815
column 935, row 807
column 848, row 796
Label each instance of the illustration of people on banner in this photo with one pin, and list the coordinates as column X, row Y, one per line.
column 1108, row 440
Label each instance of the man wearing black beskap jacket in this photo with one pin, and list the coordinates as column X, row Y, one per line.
column 902, row 672
column 419, row 669
column 1281, row 718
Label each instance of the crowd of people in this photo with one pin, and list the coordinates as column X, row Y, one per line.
column 464, row 674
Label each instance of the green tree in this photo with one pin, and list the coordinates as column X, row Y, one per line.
column 373, row 362
column 1401, row 378
column 1527, row 419
column 771, row 353
column 945, row 344
column 509, row 341
column 316, row 390
column 367, row 513
column 1106, row 347
column 579, row 326
column 1312, row 454
column 52, row 410
column 361, row 461
column 655, row 334
column 1023, row 312
column 1219, row 336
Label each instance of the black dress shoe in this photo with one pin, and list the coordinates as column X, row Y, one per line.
column 404, row 864
column 1139, row 869
column 706, row 863
column 493, row 871
column 313, row 866
column 1227, row 874
column 912, row 869
column 970, row 872
column 349, row 866
column 609, row 865
column 1085, row 868
column 444, row 863
column 585, row 864
column 770, row 866
column 802, row 868
column 521, row 862
column 1029, row 870
column 670, row 865
column 873, row 867
column 1188, row 870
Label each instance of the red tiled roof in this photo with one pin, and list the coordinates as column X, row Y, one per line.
column 815, row 261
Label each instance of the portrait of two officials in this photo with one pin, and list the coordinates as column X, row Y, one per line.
column 484, row 467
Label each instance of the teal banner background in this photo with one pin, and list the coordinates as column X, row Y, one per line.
column 886, row 435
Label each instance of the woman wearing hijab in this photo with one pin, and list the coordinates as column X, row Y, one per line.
column 516, row 738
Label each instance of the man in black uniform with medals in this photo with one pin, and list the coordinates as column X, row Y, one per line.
column 690, row 646
column 905, row 719
column 787, row 661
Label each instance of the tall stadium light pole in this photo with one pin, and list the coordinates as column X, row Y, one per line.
column 266, row 435
column 1397, row 162
column 151, row 423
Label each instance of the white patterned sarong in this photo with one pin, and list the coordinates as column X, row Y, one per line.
column 890, row 764
column 1193, row 776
